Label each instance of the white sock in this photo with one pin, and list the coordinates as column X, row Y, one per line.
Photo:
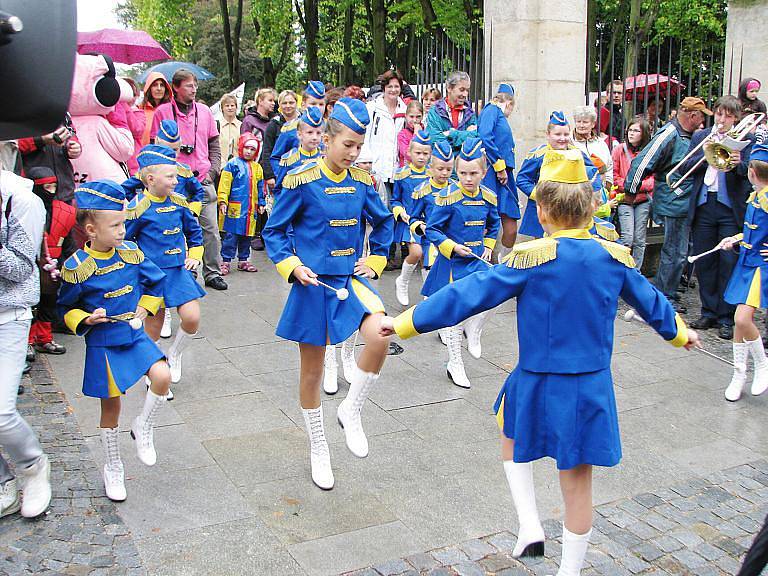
column 574, row 549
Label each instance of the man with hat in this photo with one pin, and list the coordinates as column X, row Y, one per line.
column 670, row 207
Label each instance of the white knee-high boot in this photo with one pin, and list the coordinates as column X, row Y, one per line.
column 142, row 428
column 760, row 378
column 349, row 412
column 530, row 536
column 330, row 371
column 402, row 281
column 176, row 352
column 348, row 362
column 574, row 549
column 740, row 354
column 113, row 472
column 165, row 331
column 474, row 329
column 455, row 366
column 319, row 455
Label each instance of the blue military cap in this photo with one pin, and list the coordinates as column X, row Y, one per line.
column 422, row 137
column 759, row 152
column 506, row 88
column 557, row 118
column 168, row 131
column 352, row 113
column 442, row 150
column 316, row 89
column 100, row 195
column 154, row 154
column 472, row 149
column 313, row 116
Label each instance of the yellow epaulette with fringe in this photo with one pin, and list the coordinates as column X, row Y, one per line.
column 360, row 175
column 288, row 126
column 78, row 267
column 290, row 157
column 137, row 207
column 130, row 252
column 403, row 173
column 762, row 198
column 448, row 196
column 488, row 195
column 532, row 254
column 183, row 170
column 179, row 200
column 303, row 174
column 536, row 152
column 606, row 232
column 618, row 252
column 421, row 190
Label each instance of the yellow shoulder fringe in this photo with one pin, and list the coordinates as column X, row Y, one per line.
column 532, row 254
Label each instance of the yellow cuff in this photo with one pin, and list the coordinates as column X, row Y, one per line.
column 533, row 195
column 414, row 226
column 196, row 253
column 499, row 165
column 151, row 303
column 286, row 267
column 489, row 243
column 74, row 317
column 682, row 333
column 376, row 263
column 404, row 327
column 398, row 212
column 196, row 207
column 446, row 247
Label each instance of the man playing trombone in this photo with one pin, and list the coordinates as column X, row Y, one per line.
column 717, row 204
column 661, row 157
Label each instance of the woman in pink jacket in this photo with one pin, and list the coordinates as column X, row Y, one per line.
column 634, row 209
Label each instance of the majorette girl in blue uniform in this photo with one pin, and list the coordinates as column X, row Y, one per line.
column 309, row 132
column 558, row 138
column 165, row 228
column 407, row 179
column 314, row 95
column 104, row 286
column 327, row 202
column 494, row 130
column 463, row 226
column 559, row 401
column 748, row 286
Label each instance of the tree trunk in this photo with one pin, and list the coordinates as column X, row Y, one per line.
column 377, row 15
column 227, row 38
column 236, row 45
column 349, row 20
column 311, row 25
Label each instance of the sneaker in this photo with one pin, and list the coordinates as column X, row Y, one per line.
column 37, row 488
column 51, row 348
column 31, row 354
column 10, row 501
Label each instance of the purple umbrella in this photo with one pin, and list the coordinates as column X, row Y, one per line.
column 123, row 46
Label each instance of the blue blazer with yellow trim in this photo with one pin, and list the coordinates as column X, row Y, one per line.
column 755, row 232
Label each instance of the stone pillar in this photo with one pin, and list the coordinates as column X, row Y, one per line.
column 540, row 46
column 746, row 44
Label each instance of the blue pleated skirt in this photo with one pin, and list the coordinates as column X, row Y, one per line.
column 508, row 203
column 110, row 370
column 748, row 286
column 446, row 270
column 403, row 233
column 571, row 418
column 530, row 225
column 314, row 315
column 180, row 287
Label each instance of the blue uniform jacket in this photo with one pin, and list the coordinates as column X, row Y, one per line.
column 241, row 188
column 559, row 332
column 292, row 159
column 407, row 179
column 118, row 281
column 164, row 228
column 493, row 129
column 327, row 212
column 528, row 177
column 288, row 139
column 188, row 186
column 755, row 230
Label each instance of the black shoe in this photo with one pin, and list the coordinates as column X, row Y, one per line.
column 703, row 323
column 394, row 349
column 31, row 354
column 20, row 390
column 257, row 244
column 216, row 282
column 27, row 368
column 725, row 331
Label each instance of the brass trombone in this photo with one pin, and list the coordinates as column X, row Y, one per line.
column 718, row 152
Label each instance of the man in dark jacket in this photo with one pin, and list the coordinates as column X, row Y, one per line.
column 54, row 151
column 717, row 205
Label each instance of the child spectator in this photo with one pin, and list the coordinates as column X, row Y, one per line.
column 414, row 113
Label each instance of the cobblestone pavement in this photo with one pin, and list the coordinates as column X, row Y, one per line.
column 82, row 533
column 701, row 527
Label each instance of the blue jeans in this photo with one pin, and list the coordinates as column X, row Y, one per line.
column 236, row 243
column 16, row 436
column 633, row 221
column 673, row 254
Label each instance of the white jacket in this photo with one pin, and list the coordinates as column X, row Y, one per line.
column 381, row 136
column 599, row 148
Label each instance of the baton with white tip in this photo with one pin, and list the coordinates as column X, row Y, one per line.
column 632, row 315
column 692, row 259
column 134, row 323
column 341, row 293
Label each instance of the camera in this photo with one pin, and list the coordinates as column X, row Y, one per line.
column 187, row 148
column 70, row 130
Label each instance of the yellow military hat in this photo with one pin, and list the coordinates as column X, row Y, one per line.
column 563, row 166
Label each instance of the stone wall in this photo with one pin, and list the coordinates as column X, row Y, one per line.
column 747, row 39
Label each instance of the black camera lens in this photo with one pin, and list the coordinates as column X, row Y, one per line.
column 187, row 148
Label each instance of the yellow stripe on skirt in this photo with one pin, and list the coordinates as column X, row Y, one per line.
column 367, row 297
column 753, row 297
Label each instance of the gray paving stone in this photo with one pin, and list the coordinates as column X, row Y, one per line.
column 422, row 561
column 476, row 549
column 392, row 567
column 449, row 556
column 468, row 568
